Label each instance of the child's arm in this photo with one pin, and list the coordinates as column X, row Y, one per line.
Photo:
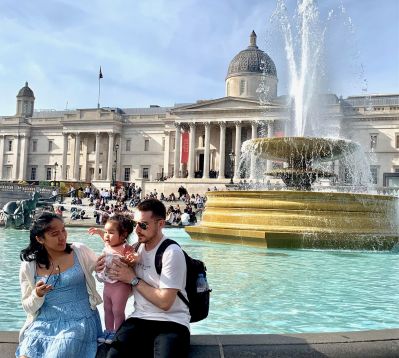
column 97, row 231
column 130, row 256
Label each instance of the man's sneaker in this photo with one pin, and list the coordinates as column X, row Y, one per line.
column 110, row 338
column 103, row 337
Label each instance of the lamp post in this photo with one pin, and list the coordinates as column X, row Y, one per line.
column 232, row 157
column 116, row 147
column 55, row 173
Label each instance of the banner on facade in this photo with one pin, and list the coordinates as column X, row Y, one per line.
column 185, row 138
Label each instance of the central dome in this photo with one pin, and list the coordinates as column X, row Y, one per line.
column 252, row 59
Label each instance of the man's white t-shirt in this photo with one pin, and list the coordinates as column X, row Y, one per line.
column 173, row 275
column 185, row 219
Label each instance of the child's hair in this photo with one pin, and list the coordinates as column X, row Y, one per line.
column 125, row 223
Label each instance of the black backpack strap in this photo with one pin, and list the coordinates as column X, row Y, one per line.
column 159, row 254
column 136, row 246
column 183, row 299
column 158, row 262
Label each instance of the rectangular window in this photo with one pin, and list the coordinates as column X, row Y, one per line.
column 48, row 173
column 397, row 141
column 8, row 172
column 242, row 87
column 163, row 144
column 146, row 145
column 10, row 145
column 34, row 147
column 127, row 174
column 146, row 173
column 373, row 141
column 94, row 145
column 128, row 141
column 66, row 173
column 374, row 174
column 80, row 146
column 50, row 145
column 173, row 143
column 33, row 173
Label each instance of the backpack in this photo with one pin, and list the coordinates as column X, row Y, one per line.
column 198, row 302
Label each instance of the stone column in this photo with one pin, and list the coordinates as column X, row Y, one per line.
column 97, row 159
column 166, row 154
column 207, row 150
column 64, row 157
column 237, row 150
column 23, row 157
column 254, row 135
column 177, row 150
column 118, row 156
column 270, row 134
column 191, row 152
column 85, row 168
column 77, row 157
column 16, row 149
column 2, row 143
column 110, row 155
column 222, row 150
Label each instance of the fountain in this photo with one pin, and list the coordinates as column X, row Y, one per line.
column 299, row 217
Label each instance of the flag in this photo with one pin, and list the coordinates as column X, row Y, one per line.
column 185, row 138
column 100, row 75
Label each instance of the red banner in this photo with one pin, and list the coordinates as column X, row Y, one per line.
column 185, row 138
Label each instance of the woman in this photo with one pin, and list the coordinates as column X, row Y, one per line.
column 58, row 294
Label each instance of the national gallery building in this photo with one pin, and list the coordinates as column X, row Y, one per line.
column 197, row 144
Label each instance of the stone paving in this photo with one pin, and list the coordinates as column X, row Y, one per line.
column 375, row 344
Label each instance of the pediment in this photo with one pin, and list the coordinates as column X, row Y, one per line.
column 224, row 103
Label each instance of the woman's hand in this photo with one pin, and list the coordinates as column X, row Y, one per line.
column 121, row 271
column 42, row 288
column 100, row 265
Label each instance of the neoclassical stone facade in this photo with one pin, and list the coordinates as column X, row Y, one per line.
column 190, row 143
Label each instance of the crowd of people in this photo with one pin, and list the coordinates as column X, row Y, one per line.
column 183, row 209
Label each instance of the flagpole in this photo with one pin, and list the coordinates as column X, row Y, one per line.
column 100, row 76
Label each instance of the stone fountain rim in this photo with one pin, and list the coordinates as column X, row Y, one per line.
column 293, row 142
column 299, row 193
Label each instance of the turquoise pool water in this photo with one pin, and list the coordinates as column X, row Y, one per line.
column 256, row 290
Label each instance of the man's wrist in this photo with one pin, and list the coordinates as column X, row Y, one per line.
column 135, row 281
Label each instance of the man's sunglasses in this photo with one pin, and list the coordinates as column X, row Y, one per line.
column 143, row 226
column 56, row 276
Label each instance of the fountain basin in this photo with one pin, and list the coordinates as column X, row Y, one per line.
column 299, row 149
column 300, row 219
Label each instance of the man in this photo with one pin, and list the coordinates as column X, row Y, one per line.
column 159, row 325
column 185, row 218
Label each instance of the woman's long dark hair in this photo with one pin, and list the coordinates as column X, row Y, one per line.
column 35, row 250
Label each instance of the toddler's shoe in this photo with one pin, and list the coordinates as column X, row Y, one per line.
column 103, row 337
column 110, row 338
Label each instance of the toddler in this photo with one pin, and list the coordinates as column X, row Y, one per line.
column 116, row 230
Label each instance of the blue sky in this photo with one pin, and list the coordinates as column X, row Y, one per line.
column 176, row 51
